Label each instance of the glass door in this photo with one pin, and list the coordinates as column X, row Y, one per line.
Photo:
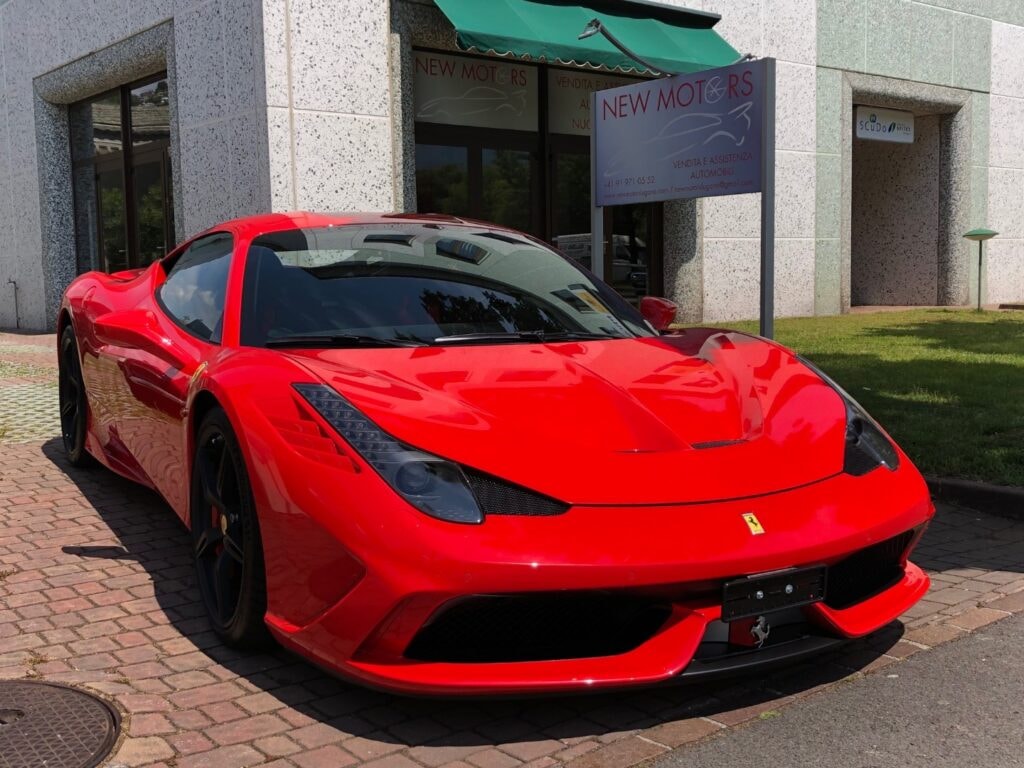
column 632, row 232
column 489, row 175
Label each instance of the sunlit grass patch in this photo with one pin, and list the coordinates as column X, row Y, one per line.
column 947, row 384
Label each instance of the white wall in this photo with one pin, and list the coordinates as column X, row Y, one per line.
column 329, row 101
column 1005, row 254
column 784, row 29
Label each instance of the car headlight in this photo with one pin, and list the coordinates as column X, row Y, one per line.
column 867, row 447
column 431, row 484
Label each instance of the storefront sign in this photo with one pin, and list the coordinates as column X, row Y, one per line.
column 685, row 136
column 569, row 98
column 463, row 90
column 885, row 125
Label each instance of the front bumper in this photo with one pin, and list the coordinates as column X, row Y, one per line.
column 356, row 607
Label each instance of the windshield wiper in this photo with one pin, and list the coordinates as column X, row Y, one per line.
column 515, row 336
column 339, row 340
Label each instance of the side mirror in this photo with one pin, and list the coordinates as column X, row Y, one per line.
column 657, row 311
column 138, row 329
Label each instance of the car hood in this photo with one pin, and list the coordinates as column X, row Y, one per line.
column 696, row 416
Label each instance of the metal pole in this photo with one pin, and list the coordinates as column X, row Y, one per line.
column 596, row 212
column 768, row 203
column 980, row 243
column 17, row 314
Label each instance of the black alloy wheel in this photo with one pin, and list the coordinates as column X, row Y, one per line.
column 74, row 409
column 225, row 537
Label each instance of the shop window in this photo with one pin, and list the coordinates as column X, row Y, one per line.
column 442, row 179
column 506, row 187
column 508, row 142
column 120, row 152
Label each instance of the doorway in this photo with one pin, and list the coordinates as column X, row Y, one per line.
column 895, row 219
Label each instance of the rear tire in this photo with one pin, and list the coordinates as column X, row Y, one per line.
column 74, row 405
column 226, row 545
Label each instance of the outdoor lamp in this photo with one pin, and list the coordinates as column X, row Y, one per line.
column 981, row 235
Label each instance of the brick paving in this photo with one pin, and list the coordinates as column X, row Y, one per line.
column 96, row 590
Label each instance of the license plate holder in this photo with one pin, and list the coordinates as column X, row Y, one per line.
column 766, row 592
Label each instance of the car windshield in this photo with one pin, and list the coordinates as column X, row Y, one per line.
column 415, row 284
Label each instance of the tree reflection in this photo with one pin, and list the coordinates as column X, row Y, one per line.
column 493, row 309
column 506, row 188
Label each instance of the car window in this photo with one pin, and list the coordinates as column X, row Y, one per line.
column 421, row 284
column 193, row 293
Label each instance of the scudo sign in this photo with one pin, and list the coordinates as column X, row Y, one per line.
column 684, row 136
column 462, row 90
column 885, row 125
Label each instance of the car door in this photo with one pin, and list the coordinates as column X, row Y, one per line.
column 187, row 320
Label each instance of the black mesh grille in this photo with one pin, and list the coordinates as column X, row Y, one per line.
column 867, row 572
column 497, row 497
column 857, row 461
column 538, row 627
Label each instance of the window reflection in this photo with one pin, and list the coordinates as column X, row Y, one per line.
column 631, row 228
column 120, row 144
column 110, row 214
column 151, row 133
column 506, row 187
column 150, row 113
column 442, row 179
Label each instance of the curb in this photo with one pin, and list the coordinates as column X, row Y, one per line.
column 1003, row 500
column 644, row 748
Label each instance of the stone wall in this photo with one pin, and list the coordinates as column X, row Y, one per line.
column 1005, row 254
column 213, row 51
column 329, row 102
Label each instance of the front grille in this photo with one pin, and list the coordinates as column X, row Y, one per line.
column 538, row 627
column 497, row 497
column 866, row 573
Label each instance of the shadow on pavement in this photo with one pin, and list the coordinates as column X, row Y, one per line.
column 144, row 532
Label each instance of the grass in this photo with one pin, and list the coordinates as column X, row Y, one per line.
column 948, row 385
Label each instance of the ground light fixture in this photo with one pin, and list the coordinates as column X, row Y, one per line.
column 980, row 235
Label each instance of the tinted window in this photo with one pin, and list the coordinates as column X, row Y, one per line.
column 194, row 291
column 422, row 284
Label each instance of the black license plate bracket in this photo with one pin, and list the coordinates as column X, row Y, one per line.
column 766, row 592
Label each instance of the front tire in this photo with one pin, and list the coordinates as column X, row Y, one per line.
column 226, row 545
column 74, row 406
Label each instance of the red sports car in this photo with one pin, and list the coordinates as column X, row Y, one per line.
column 436, row 456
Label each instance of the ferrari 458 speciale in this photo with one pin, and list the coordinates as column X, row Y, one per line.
column 436, row 456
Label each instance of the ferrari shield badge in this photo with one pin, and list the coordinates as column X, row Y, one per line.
column 753, row 523
column 197, row 373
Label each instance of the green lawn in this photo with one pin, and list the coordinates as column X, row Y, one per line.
column 947, row 384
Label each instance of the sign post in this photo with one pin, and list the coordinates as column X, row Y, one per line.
column 767, row 328
column 704, row 134
column 596, row 210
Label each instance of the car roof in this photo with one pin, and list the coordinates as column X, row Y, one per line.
column 253, row 226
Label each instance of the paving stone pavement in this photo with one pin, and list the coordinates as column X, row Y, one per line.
column 96, row 589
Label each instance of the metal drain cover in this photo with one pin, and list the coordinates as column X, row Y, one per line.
column 45, row 724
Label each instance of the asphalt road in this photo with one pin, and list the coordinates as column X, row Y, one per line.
column 959, row 705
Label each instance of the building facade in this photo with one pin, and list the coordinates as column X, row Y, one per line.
column 129, row 125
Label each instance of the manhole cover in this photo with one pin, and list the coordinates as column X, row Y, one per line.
column 44, row 724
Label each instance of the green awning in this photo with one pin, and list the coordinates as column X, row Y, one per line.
column 672, row 39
